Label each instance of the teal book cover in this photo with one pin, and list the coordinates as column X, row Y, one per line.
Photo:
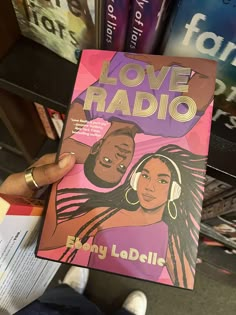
column 207, row 29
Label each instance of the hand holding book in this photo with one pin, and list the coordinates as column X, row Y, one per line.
column 45, row 172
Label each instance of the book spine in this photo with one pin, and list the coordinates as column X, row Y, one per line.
column 115, row 24
column 56, row 120
column 144, row 27
column 46, row 121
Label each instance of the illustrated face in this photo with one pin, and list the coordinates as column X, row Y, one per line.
column 114, row 157
column 154, row 184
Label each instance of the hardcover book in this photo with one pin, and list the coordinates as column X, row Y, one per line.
column 206, row 29
column 23, row 277
column 64, row 26
column 139, row 126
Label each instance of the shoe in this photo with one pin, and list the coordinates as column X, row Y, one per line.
column 136, row 303
column 77, row 278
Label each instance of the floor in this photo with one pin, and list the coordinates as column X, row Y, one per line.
column 212, row 295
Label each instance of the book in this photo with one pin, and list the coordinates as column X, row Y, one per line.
column 46, row 121
column 63, row 26
column 214, row 189
column 146, row 24
column 139, row 126
column 9, row 28
column 194, row 30
column 56, row 120
column 116, row 17
column 23, row 277
column 100, row 17
column 222, row 228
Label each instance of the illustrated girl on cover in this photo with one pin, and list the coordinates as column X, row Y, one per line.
column 156, row 210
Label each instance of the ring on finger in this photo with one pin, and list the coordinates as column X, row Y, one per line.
column 29, row 178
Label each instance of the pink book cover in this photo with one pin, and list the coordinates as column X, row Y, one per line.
column 139, row 126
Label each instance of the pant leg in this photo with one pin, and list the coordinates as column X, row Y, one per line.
column 122, row 311
column 66, row 297
column 62, row 300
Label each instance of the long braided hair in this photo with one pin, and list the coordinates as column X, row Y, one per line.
column 183, row 231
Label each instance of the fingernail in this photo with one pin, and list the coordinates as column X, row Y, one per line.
column 64, row 161
column 65, row 154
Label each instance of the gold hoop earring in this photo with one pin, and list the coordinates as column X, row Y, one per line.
column 170, row 212
column 126, row 198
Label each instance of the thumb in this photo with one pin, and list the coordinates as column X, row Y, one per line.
column 50, row 173
column 44, row 174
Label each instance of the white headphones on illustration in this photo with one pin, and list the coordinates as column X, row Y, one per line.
column 175, row 190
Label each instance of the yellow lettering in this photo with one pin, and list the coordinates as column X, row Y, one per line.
column 163, row 107
column 155, row 82
column 143, row 258
column 119, row 102
column 78, row 243
column 138, row 79
column 86, row 246
column 94, row 248
column 179, row 76
column 133, row 254
column 113, row 251
column 191, row 111
column 95, row 95
column 138, row 104
column 124, row 254
column 104, row 74
column 161, row 262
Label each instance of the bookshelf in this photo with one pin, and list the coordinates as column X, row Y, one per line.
column 33, row 72
column 36, row 74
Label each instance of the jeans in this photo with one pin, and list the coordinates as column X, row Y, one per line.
column 63, row 300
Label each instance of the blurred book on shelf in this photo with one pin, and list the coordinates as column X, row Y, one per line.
column 219, row 213
column 57, row 120
column 116, row 17
column 146, row 23
column 194, row 30
column 64, row 26
column 46, row 121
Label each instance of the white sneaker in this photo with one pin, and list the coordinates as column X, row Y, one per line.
column 136, row 303
column 77, row 278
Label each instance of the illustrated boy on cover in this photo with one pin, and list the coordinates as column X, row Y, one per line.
column 104, row 162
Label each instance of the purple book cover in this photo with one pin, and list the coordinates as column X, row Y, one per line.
column 144, row 25
column 115, row 24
